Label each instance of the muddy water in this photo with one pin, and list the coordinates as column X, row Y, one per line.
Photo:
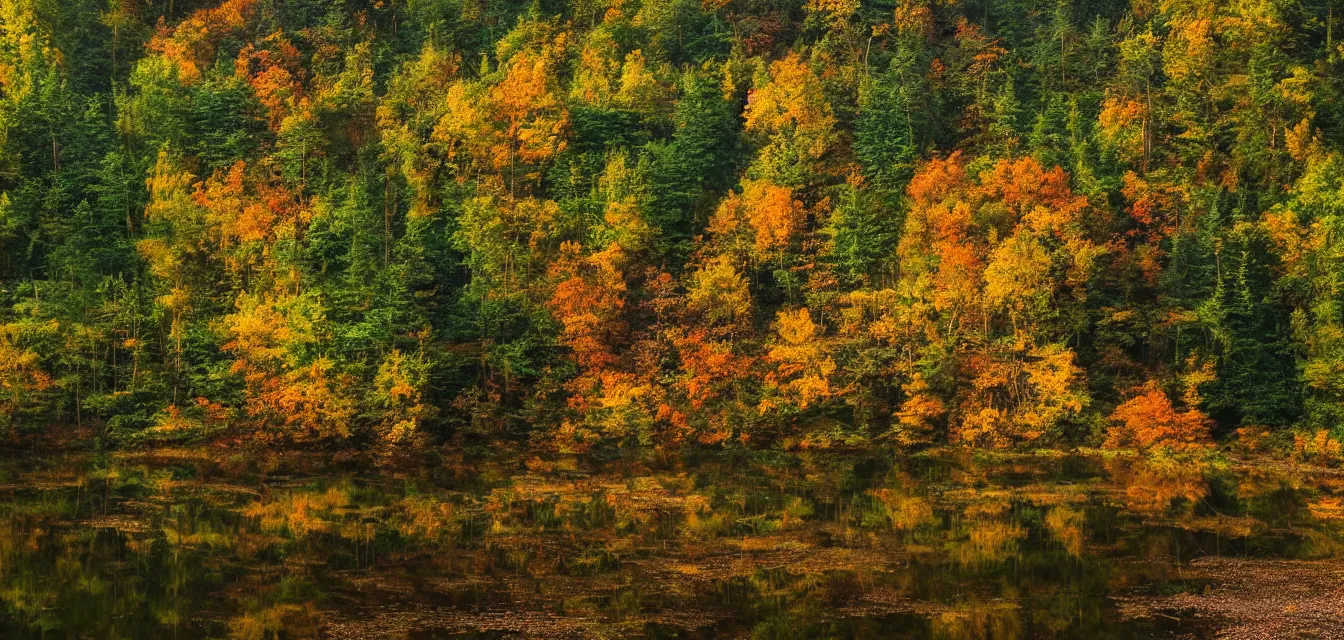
column 939, row 545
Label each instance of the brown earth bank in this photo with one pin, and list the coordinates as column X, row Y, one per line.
column 1253, row 599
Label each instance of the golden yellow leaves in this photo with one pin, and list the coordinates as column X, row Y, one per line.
column 1019, row 397
column 1057, row 389
column 1123, row 127
column 286, row 392
column 299, row 513
column 719, row 292
column 398, row 389
column 603, row 80
column 791, row 107
column 595, row 79
column 531, row 114
column 1009, row 245
column 640, row 89
column 835, row 12
column 1018, row 274
column 913, row 17
column 169, row 198
column 211, row 217
column 1317, row 447
column 1012, row 241
column 1189, row 52
column 916, row 418
column 514, row 118
column 802, row 369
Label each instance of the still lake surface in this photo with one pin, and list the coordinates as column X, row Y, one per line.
column 185, row 544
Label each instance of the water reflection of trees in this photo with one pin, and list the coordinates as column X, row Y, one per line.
column 947, row 546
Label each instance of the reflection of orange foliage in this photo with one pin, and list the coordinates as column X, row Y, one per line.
column 905, row 512
column 293, row 620
column 299, row 513
column 990, row 541
column 426, row 517
column 1148, row 420
column 1328, row 508
column 1066, row 525
column 1152, row 487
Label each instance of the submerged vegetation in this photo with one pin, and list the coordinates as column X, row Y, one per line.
column 581, row 225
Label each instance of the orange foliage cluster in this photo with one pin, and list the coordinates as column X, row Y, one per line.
column 1148, row 420
column 191, row 45
column 853, row 227
column 21, row 376
column 276, row 76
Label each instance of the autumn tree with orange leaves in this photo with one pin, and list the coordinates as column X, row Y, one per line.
column 576, row 227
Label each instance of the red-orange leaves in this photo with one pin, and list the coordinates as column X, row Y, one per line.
column 242, row 210
column 275, row 75
column 710, row 367
column 1148, row 420
column 22, row 379
column 1037, row 196
column 1012, row 241
column 589, row 302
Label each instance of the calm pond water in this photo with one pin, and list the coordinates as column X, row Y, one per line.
column 940, row 545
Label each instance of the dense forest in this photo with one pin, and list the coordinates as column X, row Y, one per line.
column 580, row 225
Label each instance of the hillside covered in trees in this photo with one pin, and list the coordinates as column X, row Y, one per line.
column 576, row 225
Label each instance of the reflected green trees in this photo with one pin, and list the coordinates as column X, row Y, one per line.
column 940, row 545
